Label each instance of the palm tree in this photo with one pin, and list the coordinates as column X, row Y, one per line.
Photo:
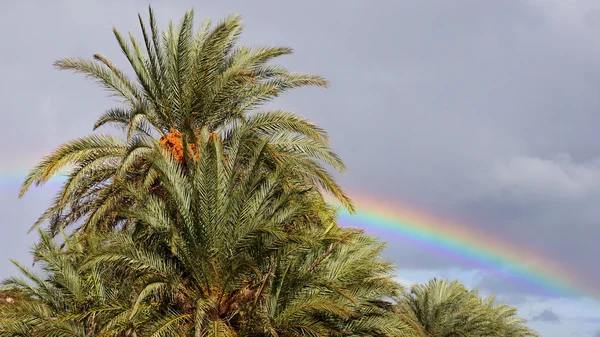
column 448, row 309
column 230, row 250
column 184, row 82
column 443, row 309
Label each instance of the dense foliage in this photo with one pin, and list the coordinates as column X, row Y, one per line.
column 208, row 216
column 441, row 308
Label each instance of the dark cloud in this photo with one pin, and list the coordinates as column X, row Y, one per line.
column 547, row 316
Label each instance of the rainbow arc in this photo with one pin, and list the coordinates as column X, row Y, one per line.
column 463, row 244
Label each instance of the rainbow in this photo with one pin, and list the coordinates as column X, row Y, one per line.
column 463, row 244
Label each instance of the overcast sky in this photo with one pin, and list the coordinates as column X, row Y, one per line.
column 485, row 112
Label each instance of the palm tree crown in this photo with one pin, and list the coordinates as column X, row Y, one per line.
column 185, row 81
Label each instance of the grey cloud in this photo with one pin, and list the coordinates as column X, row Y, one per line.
column 547, row 316
column 559, row 177
column 483, row 112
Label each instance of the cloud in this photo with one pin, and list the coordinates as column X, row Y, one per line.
column 547, row 316
column 556, row 178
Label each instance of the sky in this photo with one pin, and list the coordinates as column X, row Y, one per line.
column 482, row 112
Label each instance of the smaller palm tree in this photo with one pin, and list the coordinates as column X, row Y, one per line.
column 448, row 309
